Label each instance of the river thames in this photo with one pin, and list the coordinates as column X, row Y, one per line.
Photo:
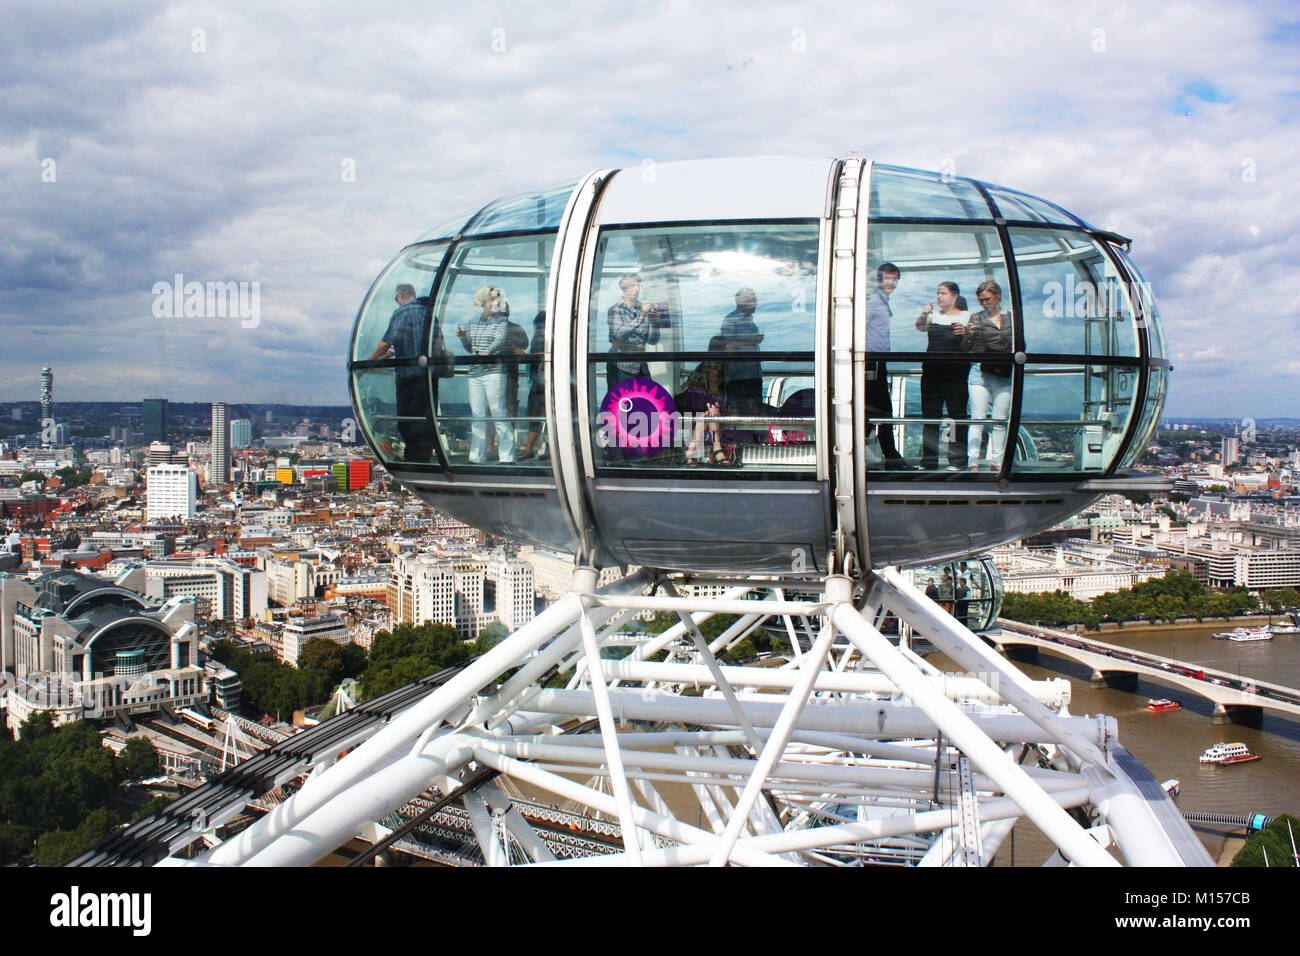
column 1170, row 742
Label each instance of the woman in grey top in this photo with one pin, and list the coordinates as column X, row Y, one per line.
column 988, row 336
column 486, row 335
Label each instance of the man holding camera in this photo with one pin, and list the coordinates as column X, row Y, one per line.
column 633, row 325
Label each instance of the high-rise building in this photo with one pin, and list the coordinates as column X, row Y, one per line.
column 154, row 411
column 220, row 474
column 508, row 592
column 358, row 474
column 170, row 492
column 425, row 588
column 241, row 433
column 47, row 394
column 1230, row 450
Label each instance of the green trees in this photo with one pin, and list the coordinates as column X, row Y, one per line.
column 58, row 847
column 409, row 652
column 1054, row 609
column 153, row 805
column 274, row 687
column 139, row 759
column 54, row 785
column 333, row 662
column 1271, row 846
column 1177, row 594
column 72, row 478
column 1281, row 599
column 742, row 651
column 493, row 633
column 270, row 685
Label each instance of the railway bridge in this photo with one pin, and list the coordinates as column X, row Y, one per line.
column 1236, row 699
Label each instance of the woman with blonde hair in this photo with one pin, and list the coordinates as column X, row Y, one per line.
column 989, row 338
column 486, row 336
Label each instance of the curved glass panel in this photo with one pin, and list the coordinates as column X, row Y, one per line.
column 451, row 228
column 970, row 590
column 1014, row 205
column 1157, row 390
column 906, row 431
column 1073, row 298
column 917, row 194
column 941, row 290
column 1140, row 290
column 728, row 308
column 1075, row 416
column 388, row 328
column 535, row 209
column 395, row 409
column 491, row 390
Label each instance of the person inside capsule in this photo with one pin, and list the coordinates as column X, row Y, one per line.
column 744, row 380
column 486, row 336
column 943, row 383
column 879, row 403
column 401, row 340
column 988, row 338
column 632, row 326
column 702, row 400
column 536, row 410
column 516, row 344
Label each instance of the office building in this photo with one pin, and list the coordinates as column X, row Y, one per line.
column 220, row 473
column 170, row 492
column 160, row 453
column 426, row 588
column 154, row 411
column 298, row 631
column 508, row 592
column 1230, row 450
column 231, row 592
column 241, row 433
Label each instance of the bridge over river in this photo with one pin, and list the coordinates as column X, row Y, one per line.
column 1236, row 699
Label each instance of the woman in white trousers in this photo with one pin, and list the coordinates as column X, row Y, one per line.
column 989, row 336
column 485, row 336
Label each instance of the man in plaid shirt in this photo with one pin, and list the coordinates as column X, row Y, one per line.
column 632, row 327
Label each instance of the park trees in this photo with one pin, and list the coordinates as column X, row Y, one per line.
column 409, row 652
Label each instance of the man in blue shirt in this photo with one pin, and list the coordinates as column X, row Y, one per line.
column 878, row 401
column 743, row 383
column 401, row 340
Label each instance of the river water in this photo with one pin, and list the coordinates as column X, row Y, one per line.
column 1170, row 742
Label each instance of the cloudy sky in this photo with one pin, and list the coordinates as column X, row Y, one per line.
column 300, row 150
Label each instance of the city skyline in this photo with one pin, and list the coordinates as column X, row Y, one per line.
column 1173, row 127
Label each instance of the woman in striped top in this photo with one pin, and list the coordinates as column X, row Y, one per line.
column 486, row 335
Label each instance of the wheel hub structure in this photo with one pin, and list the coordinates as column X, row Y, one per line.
column 849, row 750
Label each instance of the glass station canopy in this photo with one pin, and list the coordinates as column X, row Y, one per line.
column 705, row 365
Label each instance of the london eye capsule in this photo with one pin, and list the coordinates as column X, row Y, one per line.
column 761, row 365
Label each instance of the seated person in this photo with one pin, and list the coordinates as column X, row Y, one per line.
column 701, row 399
